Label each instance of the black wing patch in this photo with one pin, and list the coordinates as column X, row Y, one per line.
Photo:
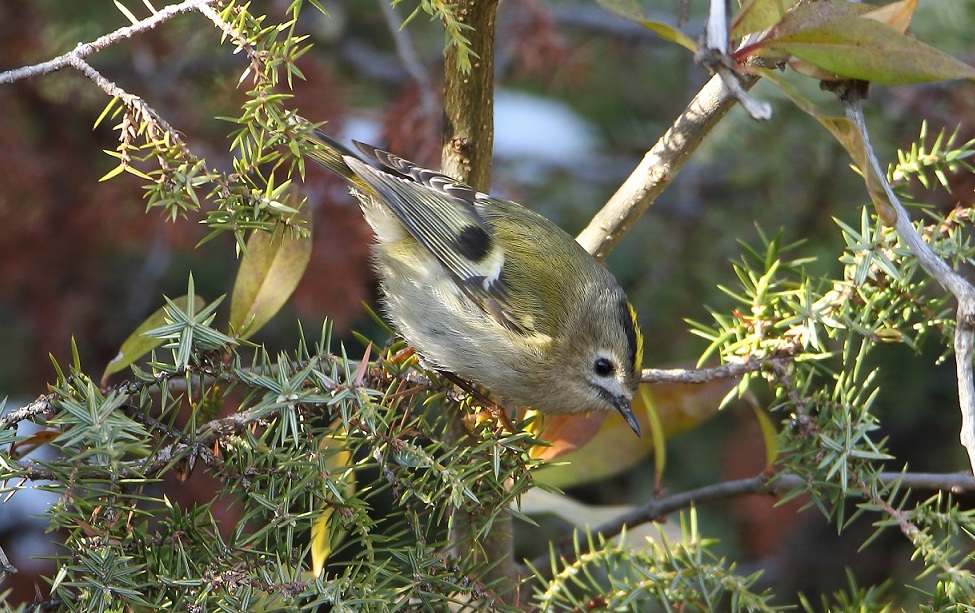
column 474, row 243
column 441, row 215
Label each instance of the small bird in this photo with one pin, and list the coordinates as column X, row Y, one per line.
column 491, row 291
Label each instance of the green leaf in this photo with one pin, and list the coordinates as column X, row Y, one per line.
column 657, row 434
column 857, row 48
column 631, row 11
column 800, row 18
column 769, row 434
column 270, row 270
column 138, row 344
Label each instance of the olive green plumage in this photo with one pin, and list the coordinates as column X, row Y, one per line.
column 491, row 291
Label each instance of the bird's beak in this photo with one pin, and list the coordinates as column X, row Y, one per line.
column 622, row 405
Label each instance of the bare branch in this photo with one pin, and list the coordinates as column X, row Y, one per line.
column 407, row 55
column 962, row 290
column 659, row 167
column 777, row 361
column 24, row 413
column 700, row 375
column 83, row 50
column 657, row 509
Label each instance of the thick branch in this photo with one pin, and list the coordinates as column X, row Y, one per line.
column 659, row 167
column 468, row 139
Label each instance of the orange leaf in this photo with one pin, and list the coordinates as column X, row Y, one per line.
column 897, row 15
column 614, row 448
column 42, row 437
column 566, row 433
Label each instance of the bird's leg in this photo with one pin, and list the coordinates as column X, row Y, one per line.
column 492, row 407
column 402, row 355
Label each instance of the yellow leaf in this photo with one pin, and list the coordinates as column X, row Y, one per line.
column 325, row 537
column 631, row 11
column 849, row 137
column 138, row 344
column 657, row 434
column 128, row 14
column 269, row 272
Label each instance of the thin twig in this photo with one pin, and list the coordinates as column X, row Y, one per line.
column 136, row 106
column 657, row 509
column 130, row 100
column 154, row 464
column 27, row 412
column 83, row 50
column 6, row 568
column 700, row 375
column 411, row 62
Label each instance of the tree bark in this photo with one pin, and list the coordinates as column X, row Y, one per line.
column 469, row 99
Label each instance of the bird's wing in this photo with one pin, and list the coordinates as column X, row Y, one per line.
column 441, row 214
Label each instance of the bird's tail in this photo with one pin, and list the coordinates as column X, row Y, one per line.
column 324, row 149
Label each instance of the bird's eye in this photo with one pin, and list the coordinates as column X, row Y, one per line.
column 603, row 367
